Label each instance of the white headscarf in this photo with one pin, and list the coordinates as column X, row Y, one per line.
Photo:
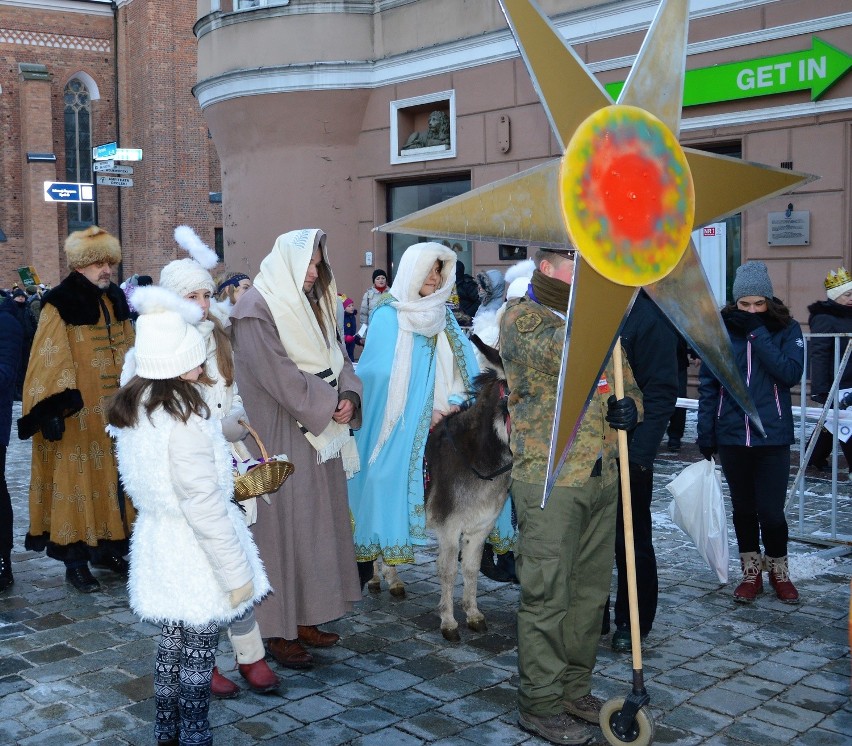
column 415, row 315
column 313, row 349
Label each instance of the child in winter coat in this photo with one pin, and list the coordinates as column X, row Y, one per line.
column 193, row 563
column 350, row 328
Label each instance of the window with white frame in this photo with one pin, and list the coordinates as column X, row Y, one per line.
column 423, row 128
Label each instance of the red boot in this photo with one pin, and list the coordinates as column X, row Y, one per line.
column 260, row 677
column 779, row 579
column 752, row 583
column 221, row 687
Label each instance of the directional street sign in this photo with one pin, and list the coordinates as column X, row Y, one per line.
column 103, row 152
column 815, row 70
column 61, row 191
column 103, row 165
column 115, row 169
column 128, row 154
column 118, row 181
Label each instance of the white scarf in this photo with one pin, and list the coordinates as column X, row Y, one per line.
column 314, row 350
column 415, row 315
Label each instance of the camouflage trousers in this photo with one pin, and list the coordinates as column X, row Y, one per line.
column 564, row 565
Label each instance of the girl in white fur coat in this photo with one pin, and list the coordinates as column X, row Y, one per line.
column 193, row 563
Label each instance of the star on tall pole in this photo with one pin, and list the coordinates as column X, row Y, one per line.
column 625, row 194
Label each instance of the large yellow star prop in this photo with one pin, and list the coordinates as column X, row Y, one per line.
column 624, row 193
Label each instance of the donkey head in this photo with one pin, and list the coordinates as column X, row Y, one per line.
column 491, row 389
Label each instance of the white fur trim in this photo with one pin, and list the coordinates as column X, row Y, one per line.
column 171, row 577
column 191, row 242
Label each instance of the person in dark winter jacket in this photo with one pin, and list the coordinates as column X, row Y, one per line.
column 467, row 291
column 769, row 351
column 650, row 343
column 28, row 326
column 831, row 316
column 11, row 341
column 350, row 328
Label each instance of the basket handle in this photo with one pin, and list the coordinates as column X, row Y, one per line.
column 263, row 454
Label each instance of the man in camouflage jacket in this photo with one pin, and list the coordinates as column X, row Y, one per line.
column 565, row 551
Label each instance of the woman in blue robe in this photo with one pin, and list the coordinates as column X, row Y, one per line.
column 417, row 367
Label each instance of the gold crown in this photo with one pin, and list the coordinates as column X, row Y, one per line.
column 836, row 279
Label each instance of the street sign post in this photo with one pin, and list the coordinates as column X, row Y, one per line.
column 115, row 170
column 118, row 181
column 128, row 154
column 61, row 191
column 99, row 166
column 104, row 152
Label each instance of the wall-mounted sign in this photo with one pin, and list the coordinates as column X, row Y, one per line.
column 791, row 228
column 815, row 70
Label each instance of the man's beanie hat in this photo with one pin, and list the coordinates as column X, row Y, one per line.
column 167, row 342
column 183, row 276
column 379, row 273
column 90, row 246
column 752, row 278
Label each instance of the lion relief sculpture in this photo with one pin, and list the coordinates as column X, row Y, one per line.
column 438, row 133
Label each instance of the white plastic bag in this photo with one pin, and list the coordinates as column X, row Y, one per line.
column 698, row 509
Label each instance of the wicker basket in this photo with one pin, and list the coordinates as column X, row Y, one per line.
column 263, row 478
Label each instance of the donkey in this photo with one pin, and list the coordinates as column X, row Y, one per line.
column 470, row 470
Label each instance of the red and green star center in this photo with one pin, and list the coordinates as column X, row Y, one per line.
column 627, row 195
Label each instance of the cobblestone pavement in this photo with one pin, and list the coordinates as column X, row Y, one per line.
column 77, row 669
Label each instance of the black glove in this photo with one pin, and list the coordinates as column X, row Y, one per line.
column 707, row 451
column 846, row 401
column 743, row 321
column 621, row 414
column 819, row 398
column 53, row 428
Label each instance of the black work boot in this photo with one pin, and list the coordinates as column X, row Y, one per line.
column 6, row 578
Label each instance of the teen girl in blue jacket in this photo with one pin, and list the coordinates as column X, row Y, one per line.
column 769, row 351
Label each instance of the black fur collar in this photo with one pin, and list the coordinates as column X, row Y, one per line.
column 830, row 308
column 77, row 300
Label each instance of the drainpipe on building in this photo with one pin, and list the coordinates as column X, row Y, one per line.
column 114, row 6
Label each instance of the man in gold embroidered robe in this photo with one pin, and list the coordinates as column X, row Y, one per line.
column 77, row 511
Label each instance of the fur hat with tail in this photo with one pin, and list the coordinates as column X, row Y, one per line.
column 91, row 246
column 184, row 276
column 167, row 342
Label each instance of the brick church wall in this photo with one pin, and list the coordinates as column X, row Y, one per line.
column 156, row 61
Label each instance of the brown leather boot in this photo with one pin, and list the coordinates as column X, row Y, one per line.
column 779, row 579
column 752, row 583
column 222, row 687
column 260, row 677
column 289, row 653
column 316, row 638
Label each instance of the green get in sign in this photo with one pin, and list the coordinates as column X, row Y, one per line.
column 815, row 69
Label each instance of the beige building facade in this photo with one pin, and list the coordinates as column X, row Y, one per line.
column 310, row 105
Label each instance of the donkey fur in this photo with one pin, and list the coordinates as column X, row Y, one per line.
column 470, row 468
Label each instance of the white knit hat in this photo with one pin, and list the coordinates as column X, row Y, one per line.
column 167, row 342
column 183, row 276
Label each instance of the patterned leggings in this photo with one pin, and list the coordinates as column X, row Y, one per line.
column 185, row 659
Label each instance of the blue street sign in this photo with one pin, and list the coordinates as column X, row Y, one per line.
column 104, row 152
column 60, row 191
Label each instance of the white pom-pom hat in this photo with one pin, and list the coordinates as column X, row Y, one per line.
column 184, row 276
column 167, row 342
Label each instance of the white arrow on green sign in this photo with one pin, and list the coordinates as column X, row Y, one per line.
column 815, row 69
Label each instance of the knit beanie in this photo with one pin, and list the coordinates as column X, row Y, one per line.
column 183, row 276
column 167, row 342
column 838, row 283
column 379, row 273
column 752, row 278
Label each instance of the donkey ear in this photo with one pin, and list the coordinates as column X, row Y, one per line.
column 488, row 352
